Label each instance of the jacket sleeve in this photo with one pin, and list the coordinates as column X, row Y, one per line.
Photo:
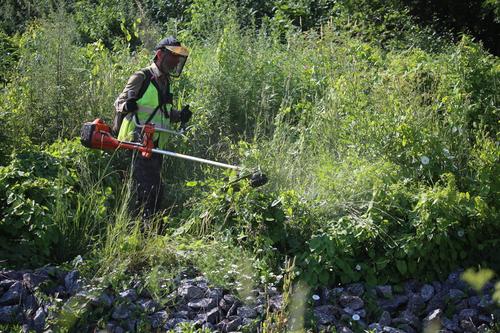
column 134, row 84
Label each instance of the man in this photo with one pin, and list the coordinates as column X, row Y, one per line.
column 147, row 97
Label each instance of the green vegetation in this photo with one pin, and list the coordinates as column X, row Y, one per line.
column 380, row 139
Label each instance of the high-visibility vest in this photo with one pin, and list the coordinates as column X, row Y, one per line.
column 150, row 102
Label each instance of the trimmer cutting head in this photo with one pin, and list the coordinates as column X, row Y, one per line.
column 258, row 179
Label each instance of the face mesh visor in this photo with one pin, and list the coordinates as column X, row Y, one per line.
column 177, row 70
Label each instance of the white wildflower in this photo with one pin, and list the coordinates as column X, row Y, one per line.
column 358, row 267
column 315, row 297
column 460, row 233
column 424, row 160
column 356, row 317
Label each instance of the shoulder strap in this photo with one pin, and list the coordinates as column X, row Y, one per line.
column 147, row 79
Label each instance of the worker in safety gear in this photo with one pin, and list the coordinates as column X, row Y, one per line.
column 147, row 97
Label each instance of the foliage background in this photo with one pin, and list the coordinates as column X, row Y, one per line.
column 380, row 137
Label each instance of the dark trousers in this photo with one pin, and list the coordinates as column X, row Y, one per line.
column 148, row 189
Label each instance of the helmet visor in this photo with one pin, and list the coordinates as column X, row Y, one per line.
column 177, row 70
column 180, row 53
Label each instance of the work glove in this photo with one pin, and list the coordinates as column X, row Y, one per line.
column 174, row 115
column 185, row 114
column 130, row 106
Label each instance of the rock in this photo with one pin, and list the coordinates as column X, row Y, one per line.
column 39, row 320
column 172, row 323
column 325, row 314
column 455, row 295
column 434, row 316
column 384, row 291
column 408, row 318
column 426, row 292
column 212, row 316
column 375, row 327
column 189, row 292
column 181, row 314
column 246, row 312
column 8, row 314
column 451, row 325
column 356, row 289
column 232, row 309
column 394, row 303
column 468, row 326
column 487, row 319
column 158, row 319
column 148, row 305
column 415, row 303
column 462, row 305
column 216, row 293
column 71, row 282
column 389, row 329
column 129, row 294
column 230, row 324
column 353, row 302
column 436, row 302
column 6, row 284
column 336, row 292
column 275, row 302
column 120, row 312
column 30, row 304
column 105, row 300
column 13, row 295
column 385, row 319
column 344, row 329
column 467, row 314
column 204, row 303
column 32, row 280
column 486, row 302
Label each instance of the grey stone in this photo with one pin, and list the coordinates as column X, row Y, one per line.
column 389, row 329
column 189, row 292
column 13, row 295
column 105, row 300
column 488, row 319
column 181, row 314
column 356, row 289
column 32, row 280
column 345, row 329
column 246, row 312
column 8, row 314
column 148, row 305
column 325, row 314
column 158, row 319
column 462, row 305
column 435, row 315
column 468, row 326
column 204, row 303
column 467, row 314
column 408, row 318
column 276, row 302
column 120, row 312
column 415, row 303
column 212, row 316
column 172, row 323
column 485, row 302
column 6, row 284
column 450, row 324
column 216, row 293
column 39, row 320
column 456, row 295
column 30, row 304
column 437, row 286
column 71, row 282
column 336, row 292
column 353, row 302
column 230, row 324
column 473, row 301
column 384, row 291
column 426, row 292
column 436, row 302
column 375, row 327
column 232, row 309
column 385, row 319
column 129, row 294
column 394, row 303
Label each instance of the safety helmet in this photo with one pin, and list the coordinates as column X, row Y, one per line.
column 174, row 47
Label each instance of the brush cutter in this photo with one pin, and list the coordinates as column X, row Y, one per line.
column 97, row 135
